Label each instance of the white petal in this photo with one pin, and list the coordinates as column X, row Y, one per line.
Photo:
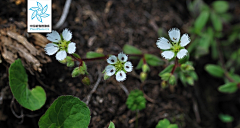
column 51, row 48
column 67, row 35
column 122, row 57
column 128, row 66
column 54, row 36
column 168, row 54
column 163, row 43
column 110, row 70
column 61, row 55
column 120, row 76
column 182, row 53
column 185, row 40
column 71, row 48
column 174, row 34
column 112, row 59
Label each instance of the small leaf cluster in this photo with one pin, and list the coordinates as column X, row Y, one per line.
column 136, row 100
column 145, row 61
column 232, row 80
column 165, row 123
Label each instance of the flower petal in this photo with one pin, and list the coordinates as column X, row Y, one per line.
column 122, row 57
column 163, row 43
column 110, row 70
column 120, row 76
column 61, row 55
column 128, row 66
column 185, row 40
column 51, row 48
column 112, row 59
column 182, row 53
column 174, row 34
column 54, row 36
column 168, row 55
column 71, row 48
column 67, row 35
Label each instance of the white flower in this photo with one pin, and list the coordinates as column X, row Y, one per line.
column 128, row 66
column 51, row 48
column 110, row 70
column 54, row 36
column 112, row 59
column 61, row 45
column 176, row 48
column 67, row 35
column 71, row 48
column 120, row 76
column 122, row 57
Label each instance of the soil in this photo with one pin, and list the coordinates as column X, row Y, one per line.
column 106, row 26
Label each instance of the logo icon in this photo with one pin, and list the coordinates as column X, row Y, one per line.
column 39, row 12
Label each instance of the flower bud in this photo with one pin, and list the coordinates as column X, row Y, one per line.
column 86, row 80
column 172, row 80
column 143, row 76
column 145, row 68
column 164, row 84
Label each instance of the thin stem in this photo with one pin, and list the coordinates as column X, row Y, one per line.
column 175, row 66
column 136, row 121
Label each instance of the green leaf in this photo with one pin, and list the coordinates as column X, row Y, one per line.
column 184, row 59
column 225, row 118
column 163, row 123
column 66, row 112
column 228, row 88
column 111, row 125
column 173, row 126
column 216, row 21
column 76, row 55
column 201, row 21
column 153, row 60
column 220, row 6
column 214, row 70
column 140, row 64
column 129, row 49
column 18, row 80
column 94, row 54
column 167, row 69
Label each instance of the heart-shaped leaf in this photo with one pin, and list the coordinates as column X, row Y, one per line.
column 18, row 80
column 66, row 112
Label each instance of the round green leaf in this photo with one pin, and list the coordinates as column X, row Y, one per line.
column 66, row 112
column 220, row 6
column 226, row 118
column 163, row 123
column 214, row 70
column 18, row 80
column 173, row 126
column 228, row 88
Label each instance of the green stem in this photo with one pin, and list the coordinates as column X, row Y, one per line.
column 136, row 121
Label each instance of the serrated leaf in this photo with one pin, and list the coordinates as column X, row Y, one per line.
column 167, row 69
column 228, row 88
column 129, row 49
column 225, row 118
column 201, row 21
column 18, row 80
column 94, row 54
column 220, row 6
column 163, row 123
column 153, row 60
column 111, row 125
column 66, row 112
column 216, row 22
column 214, row 70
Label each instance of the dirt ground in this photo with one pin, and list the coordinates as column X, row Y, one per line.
column 104, row 25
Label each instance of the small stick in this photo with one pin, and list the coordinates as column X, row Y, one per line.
column 64, row 14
